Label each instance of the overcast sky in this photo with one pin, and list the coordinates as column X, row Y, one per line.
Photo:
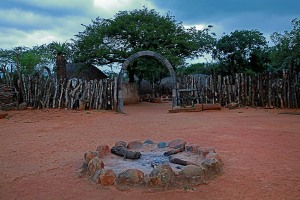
column 35, row 22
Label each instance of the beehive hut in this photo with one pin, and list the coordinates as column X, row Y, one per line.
column 84, row 71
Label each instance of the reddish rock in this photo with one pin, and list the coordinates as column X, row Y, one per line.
column 212, row 165
column 135, row 145
column 131, row 177
column 177, row 144
column 88, row 156
column 190, row 175
column 203, row 151
column 148, row 141
column 94, row 165
column 161, row 176
column 23, row 106
column 95, row 177
column 102, row 150
column 192, row 148
column 107, row 177
column 213, row 155
column 232, row 105
column 120, row 144
column 191, row 171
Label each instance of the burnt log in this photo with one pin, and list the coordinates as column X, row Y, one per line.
column 215, row 106
column 179, row 161
column 124, row 152
column 173, row 151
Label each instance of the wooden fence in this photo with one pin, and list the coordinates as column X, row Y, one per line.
column 47, row 92
column 281, row 89
column 8, row 97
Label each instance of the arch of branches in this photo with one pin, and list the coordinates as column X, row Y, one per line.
column 159, row 58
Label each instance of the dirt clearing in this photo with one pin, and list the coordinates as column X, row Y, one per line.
column 41, row 149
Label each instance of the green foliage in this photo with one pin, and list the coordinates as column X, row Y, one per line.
column 60, row 51
column 151, row 70
column 30, row 60
column 242, row 51
column 199, row 68
column 56, row 49
column 108, row 41
column 285, row 53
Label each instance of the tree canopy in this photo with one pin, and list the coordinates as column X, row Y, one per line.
column 286, row 52
column 242, row 51
column 108, row 41
column 111, row 41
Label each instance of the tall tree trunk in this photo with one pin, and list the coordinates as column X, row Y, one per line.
column 61, row 68
column 131, row 71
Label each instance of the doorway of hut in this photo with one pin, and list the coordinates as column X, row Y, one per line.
column 153, row 83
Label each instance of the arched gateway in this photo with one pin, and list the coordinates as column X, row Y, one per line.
column 158, row 57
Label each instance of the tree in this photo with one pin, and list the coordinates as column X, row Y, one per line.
column 285, row 53
column 108, row 41
column 60, row 50
column 197, row 68
column 242, row 51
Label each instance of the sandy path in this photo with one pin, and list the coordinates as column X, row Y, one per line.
column 41, row 149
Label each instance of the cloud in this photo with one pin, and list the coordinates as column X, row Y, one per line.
column 10, row 38
column 110, row 8
column 35, row 22
column 227, row 16
column 61, row 19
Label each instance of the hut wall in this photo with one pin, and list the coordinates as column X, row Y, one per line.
column 130, row 93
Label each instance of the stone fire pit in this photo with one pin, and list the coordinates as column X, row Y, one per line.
column 151, row 165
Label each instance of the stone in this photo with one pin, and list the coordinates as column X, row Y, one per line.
column 107, row 177
column 190, row 175
column 23, row 106
column 177, row 144
column 131, row 177
column 213, row 155
column 232, row 105
column 192, row 148
column 120, row 144
column 95, row 176
column 134, row 145
column 161, row 176
column 162, row 145
column 148, row 142
column 94, row 165
column 191, row 171
column 213, row 166
column 125, row 153
column 88, row 156
column 203, row 151
column 102, row 151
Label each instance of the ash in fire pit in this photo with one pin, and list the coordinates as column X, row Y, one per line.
column 152, row 165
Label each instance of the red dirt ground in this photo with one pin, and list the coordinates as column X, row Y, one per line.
column 41, row 150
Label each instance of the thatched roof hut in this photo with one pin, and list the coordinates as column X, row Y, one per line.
column 84, row 71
